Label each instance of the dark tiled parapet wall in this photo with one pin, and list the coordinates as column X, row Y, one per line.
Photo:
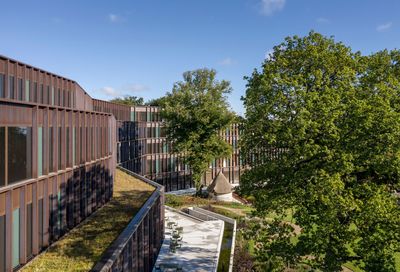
column 137, row 247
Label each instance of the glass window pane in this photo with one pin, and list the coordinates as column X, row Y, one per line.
column 51, row 148
column 2, row 156
column 1, row 85
column 19, row 154
column 35, row 92
column 49, row 97
column 67, row 146
column 3, row 243
column 59, row 148
column 41, row 94
column 11, row 87
column 27, row 90
column 40, row 151
column 29, row 230
column 73, row 145
column 20, row 89
column 41, row 225
column 15, row 238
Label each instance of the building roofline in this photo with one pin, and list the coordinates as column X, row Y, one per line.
column 42, row 70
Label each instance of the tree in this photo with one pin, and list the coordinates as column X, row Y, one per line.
column 333, row 115
column 195, row 112
column 129, row 100
column 156, row 102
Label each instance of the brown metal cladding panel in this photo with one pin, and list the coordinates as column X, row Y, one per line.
column 28, row 197
column 20, row 71
column 45, row 212
column 40, row 118
column 3, row 63
column 15, row 198
column 34, row 142
column 22, row 227
column 40, row 189
column 35, row 217
column 2, row 204
column 17, row 116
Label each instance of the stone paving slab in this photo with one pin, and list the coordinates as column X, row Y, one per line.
column 200, row 244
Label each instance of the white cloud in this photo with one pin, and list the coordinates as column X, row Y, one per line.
column 268, row 7
column 114, row 18
column 135, row 88
column 122, row 91
column 226, row 62
column 323, row 20
column 384, row 27
column 109, row 91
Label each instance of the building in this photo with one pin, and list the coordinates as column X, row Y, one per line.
column 58, row 153
column 143, row 148
column 57, row 159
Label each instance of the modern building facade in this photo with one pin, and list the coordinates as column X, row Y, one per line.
column 143, row 148
column 58, row 153
column 57, row 159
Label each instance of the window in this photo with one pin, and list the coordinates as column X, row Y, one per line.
column 19, row 154
column 29, row 230
column 15, row 238
column 2, row 156
column 11, row 87
column 20, row 89
column 41, row 93
column 3, row 242
column 73, row 145
column 47, row 96
column 1, row 85
column 58, row 97
column 41, row 225
column 40, row 151
column 52, row 95
column 51, row 150
column 35, row 92
column 59, row 148
column 67, row 147
column 27, row 90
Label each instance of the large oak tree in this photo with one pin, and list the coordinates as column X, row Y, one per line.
column 333, row 116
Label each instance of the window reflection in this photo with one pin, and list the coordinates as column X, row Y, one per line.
column 19, row 154
column 2, row 156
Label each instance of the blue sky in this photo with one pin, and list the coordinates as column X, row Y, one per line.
column 115, row 48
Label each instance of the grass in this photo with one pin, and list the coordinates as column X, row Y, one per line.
column 83, row 246
column 234, row 210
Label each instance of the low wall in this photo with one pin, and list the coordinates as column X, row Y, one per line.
column 137, row 247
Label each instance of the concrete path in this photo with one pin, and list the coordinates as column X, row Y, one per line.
column 200, row 244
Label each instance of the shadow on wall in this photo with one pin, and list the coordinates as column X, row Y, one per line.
column 89, row 241
column 77, row 198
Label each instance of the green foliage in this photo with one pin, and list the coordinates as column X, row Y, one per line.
column 195, row 112
column 156, row 102
column 129, row 100
column 174, row 201
column 334, row 115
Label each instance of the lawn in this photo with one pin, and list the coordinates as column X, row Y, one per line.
column 82, row 247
